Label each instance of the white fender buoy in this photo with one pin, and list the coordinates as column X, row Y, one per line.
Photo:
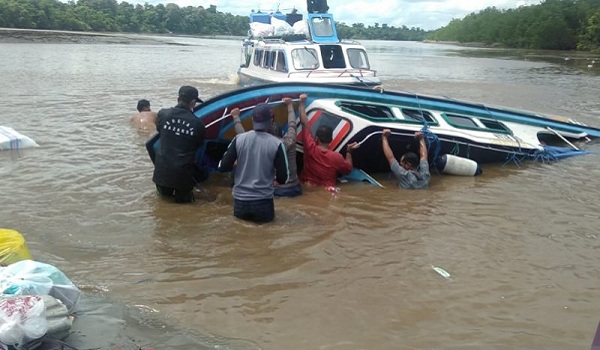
column 455, row 165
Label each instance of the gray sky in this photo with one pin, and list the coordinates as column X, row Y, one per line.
column 424, row 14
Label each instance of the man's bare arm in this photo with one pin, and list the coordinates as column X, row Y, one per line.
column 387, row 151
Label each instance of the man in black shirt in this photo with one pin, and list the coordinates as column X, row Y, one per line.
column 181, row 134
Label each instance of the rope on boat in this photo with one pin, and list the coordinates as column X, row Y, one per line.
column 359, row 79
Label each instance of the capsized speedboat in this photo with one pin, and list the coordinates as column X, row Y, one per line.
column 285, row 48
column 466, row 130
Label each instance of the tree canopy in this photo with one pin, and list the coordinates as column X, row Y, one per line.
column 553, row 24
column 111, row 16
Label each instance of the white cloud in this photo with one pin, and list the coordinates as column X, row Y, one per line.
column 424, row 14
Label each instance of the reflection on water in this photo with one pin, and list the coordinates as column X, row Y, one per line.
column 347, row 271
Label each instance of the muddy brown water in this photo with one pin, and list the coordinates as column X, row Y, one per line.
column 346, row 271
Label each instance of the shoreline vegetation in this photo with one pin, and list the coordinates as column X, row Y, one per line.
column 572, row 25
column 17, row 35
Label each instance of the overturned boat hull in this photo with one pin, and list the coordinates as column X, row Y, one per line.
column 484, row 134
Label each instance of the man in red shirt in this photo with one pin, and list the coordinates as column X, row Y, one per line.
column 322, row 166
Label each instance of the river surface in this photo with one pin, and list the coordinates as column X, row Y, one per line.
column 346, row 271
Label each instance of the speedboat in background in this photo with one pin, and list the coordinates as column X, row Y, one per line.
column 285, row 48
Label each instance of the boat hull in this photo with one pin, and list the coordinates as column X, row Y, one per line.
column 327, row 101
column 248, row 78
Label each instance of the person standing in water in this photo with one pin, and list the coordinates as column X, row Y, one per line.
column 322, row 166
column 293, row 187
column 412, row 171
column 145, row 119
column 258, row 156
column 181, row 134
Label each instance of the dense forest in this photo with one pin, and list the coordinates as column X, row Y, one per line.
column 553, row 24
column 111, row 16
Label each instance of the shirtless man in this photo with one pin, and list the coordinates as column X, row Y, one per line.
column 145, row 119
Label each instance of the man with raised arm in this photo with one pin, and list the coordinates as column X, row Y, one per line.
column 293, row 187
column 412, row 171
column 322, row 166
column 257, row 156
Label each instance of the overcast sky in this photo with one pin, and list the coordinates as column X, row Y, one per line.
column 424, row 14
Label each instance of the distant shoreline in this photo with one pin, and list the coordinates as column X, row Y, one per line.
column 15, row 35
column 11, row 35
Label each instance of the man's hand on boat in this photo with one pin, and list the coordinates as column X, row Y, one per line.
column 352, row 146
column 419, row 136
column 235, row 114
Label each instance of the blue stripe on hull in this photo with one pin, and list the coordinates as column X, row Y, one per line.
column 371, row 95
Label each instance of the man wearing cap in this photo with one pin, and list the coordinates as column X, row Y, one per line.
column 257, row 155
column 145, row 119
column 293, row 187
column 181, row 134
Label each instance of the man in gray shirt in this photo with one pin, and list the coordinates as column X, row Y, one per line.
column 411, row 171
column 257, row 155
column 293, row 187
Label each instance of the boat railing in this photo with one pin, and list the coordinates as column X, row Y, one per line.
column 283, row 39
column 349, row 42
column 316, row 73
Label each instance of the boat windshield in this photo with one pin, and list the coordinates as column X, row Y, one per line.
column 322, row 26
column 358, row 59
column 305, row 58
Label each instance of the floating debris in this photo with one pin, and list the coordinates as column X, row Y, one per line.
column 441, row 271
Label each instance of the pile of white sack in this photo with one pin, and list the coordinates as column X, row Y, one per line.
column 278, row 27
column 36, row 305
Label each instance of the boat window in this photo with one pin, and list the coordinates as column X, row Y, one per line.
column 281, row 64
column 358, row 59
column 418, row 115
column 258, row 55
column 465, row 122
column 305, row 58
column 272, row 58
column 322, row 26
column 370, row 111
column 333, row 56
column 268, row 61
column 459, row 120
column 494, row 125
column 326, row 119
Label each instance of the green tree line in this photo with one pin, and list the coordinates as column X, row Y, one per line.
column 384, row 32
column 111, row 16
column 553, row 24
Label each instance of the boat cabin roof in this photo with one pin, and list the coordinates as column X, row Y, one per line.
column 321, row 26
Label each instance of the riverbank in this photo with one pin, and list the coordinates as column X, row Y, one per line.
column 15, row 35
column 12, row 35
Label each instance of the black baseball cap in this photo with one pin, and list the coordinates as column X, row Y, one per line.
column 189, row 94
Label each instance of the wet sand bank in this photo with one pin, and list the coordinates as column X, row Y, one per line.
column 11, row 35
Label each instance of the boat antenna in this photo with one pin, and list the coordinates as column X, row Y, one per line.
column 359, row 79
